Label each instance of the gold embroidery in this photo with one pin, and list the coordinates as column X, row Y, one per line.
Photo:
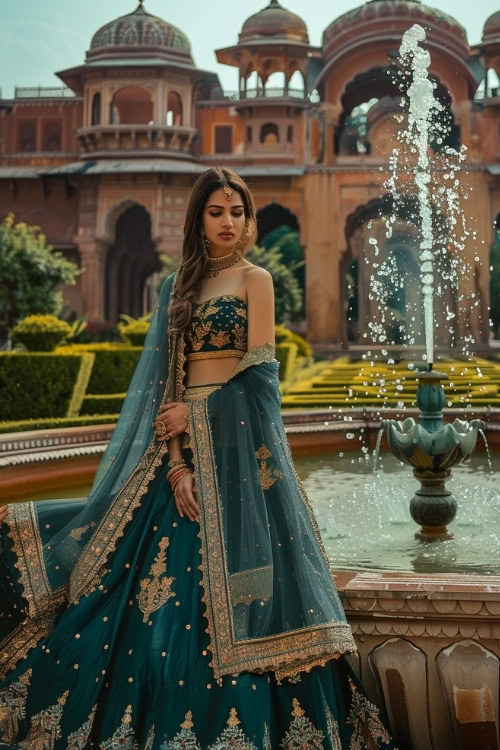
column 203, row 313
column 197, row 335
column 256, row 355
column 156, row 591
column 78, row 740
column 45, row 727
column 333, row 730
column 26, row 636
column 240, row 337
column 78, row 533
column 150, row 739
column 233, row 736
column 90, row 564
column 241, row 312
column 284, row 653
column 123, row 737
column 215, row 355
column 13, row 707
column 186, row 738
column 302, row 733
column 267, row 738
column 199, row 393
column 220, row 339
column 251, row 585
column 367, row 727
column 268, row 476
column 28, row 549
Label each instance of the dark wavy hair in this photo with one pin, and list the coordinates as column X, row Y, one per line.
column 193, row 263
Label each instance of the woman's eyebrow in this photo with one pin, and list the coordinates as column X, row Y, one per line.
column 238, row 205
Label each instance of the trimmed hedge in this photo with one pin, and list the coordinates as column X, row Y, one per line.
column 26, row 425
column 284, row 335
column 286, row 354
column 113, row 367
column 102, row 404
column 39, row 385
column 41, row 333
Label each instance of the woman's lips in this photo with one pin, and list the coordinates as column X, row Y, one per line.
column 226, row 235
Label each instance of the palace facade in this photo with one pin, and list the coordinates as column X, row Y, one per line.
column 105, row 163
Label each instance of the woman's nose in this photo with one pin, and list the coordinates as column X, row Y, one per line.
column 227, row 220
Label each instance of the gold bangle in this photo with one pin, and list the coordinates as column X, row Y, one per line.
column 184, row 473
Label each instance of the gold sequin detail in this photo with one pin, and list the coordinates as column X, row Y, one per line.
column 268, row 476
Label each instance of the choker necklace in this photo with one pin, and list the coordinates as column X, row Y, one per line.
column 214, row 265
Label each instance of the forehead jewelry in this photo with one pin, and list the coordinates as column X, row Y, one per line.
column 228, row 191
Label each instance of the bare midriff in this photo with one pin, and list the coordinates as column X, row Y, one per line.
column 203, row 371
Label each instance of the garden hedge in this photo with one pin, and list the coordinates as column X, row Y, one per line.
column 286, row 354
column 26, row 425
column 38, row 385
column 113, row 367
column 102, row 404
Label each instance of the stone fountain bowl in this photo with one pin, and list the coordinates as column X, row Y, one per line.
column 432, row 451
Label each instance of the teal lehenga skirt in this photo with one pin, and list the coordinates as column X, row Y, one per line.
column 128, row 666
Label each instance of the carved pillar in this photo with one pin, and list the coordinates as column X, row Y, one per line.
column 93, row 255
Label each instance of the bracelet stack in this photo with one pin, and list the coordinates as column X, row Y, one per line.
column 177, row 470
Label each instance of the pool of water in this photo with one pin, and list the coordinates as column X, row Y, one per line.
column 365, row 520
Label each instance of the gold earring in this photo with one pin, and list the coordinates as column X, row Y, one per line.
column 205, row 243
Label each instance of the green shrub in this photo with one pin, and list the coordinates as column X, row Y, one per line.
column 113, row 367
column 135, row 333
column 286, row 354
column 36, row 385
column 27, row 425
column 282, row 334
column 102, row 404
column 41, row 333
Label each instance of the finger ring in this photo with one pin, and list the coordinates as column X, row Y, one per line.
column 161, row 430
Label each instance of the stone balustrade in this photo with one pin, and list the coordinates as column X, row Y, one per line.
column 144, row 140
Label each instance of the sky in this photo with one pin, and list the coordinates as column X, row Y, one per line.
column 40, row 37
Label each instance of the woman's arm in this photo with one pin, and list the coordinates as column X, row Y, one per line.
column 260, row 294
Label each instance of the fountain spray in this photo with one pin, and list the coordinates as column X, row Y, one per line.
column 430, row 447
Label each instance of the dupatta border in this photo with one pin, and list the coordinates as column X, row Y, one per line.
column 24, row 531
column 28, row 634
column 284, row 653
column 89, row 568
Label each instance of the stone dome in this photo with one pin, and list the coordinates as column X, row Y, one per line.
column 275, row 21
column 491, row 29
column 136, row 30
column 393, row 14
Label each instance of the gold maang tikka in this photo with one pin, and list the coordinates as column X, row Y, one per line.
column 228, row 191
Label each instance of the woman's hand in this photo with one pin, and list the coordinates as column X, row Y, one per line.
column 185, row 499
column 3, row 513
column 174, row 418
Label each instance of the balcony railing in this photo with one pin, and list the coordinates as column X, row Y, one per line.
column 269, row 93
column 135, row 140
column 43, row 92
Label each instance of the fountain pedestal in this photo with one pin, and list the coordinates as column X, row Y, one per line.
column 432, row 449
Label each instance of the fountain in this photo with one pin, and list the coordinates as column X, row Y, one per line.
column 431, row 447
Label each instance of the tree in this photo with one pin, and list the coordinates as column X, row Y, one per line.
column 287, row 241
column 287, row 292
column 31, row 273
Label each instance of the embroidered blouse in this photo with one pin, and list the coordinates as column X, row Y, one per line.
column 219, row 328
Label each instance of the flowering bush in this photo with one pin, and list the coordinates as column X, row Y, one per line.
column 41, row 333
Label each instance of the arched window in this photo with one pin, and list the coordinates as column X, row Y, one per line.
column 296, row 84
column 134, row 105
column 254, row 85
column 269, row 133
column 276, row 84
column 174, row 109
column 96, row 109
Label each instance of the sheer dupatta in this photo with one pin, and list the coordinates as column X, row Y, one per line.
column 270, row 600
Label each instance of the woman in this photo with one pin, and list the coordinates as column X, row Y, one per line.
column 188, row 602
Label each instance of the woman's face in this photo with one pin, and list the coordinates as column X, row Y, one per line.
column 223, row 219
